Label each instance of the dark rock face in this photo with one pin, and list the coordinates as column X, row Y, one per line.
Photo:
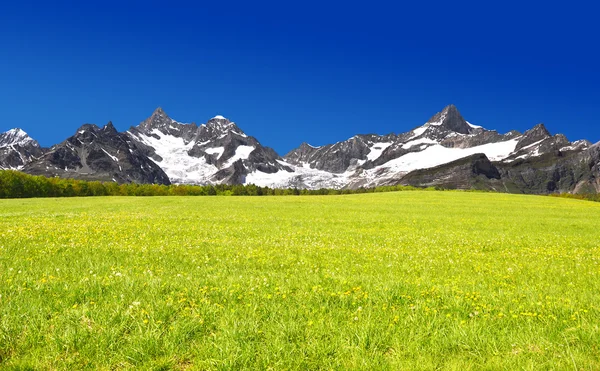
column 336, row 158
column 571, row 171
column 475, row 171
column 576, row 172
column 234, row 174
column 17, row 149
column 449, row 118
column 95, row 153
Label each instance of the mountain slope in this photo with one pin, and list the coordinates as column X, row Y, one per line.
column 445, row 151
column 215, row 152
column 17, row 149
column 95, row 153
column 446, row 137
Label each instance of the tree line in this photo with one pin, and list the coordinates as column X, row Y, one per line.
column 15, row 184
column 579, row 196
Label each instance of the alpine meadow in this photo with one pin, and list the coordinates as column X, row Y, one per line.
column 402, row 280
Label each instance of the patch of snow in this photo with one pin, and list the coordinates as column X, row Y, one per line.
column 301, row 177
column 474, row 126
column 176, row 163
column 532, row 144
column 418, row 131
column 440, row 122
column 377, row 150
column 578, row 144
column 219, row 117
column 115, row 159
column 437, row 155
column 215, row 151
column 240, row 134
column 241, row 153
column 418, row 142
column 15, row 137
column 178, row 123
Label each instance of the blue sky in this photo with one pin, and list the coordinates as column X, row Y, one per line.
column 289, row 72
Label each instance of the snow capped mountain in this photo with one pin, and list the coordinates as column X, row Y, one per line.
column 15, row 137
column 446, row 150
column 215, row 152
column 17, row 149
column 371, row 160
column 95, row 153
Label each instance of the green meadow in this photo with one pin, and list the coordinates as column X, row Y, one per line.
column 400, row 281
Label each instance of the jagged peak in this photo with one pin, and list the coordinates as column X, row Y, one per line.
column 16, row 132
column 539, row 129
column 158, row 119
column 220, row 122
column 451, row 119
column 159, row 112
column 535, row 134
column 450, row 108
column 220, row 126
column 109, row 127
column 85, row 127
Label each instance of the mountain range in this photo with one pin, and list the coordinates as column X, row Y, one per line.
column 446, row 151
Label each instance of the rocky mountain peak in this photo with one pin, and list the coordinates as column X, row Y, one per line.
column 450, row 119
column 219, row 121
column 16, row 136
column 109, row 128
column 533, row 135
column 220, row 126
column 87, row 127
column 539, row 130
column 158, row 119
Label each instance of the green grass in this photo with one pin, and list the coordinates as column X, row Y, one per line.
column 408, row 280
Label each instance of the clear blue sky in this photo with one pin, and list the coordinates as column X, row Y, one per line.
column 288, row 72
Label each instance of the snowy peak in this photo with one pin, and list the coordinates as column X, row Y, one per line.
column 218, row 127
column 539, row 131
column 16, row 137
column 219, row 122
column 162, row 150
column 17, row 149
column 214, row 152
column 98, row 153
column 451, row 119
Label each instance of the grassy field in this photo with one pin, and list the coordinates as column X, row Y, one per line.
column 408, row 280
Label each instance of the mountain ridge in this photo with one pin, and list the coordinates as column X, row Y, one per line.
column 219, row 151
